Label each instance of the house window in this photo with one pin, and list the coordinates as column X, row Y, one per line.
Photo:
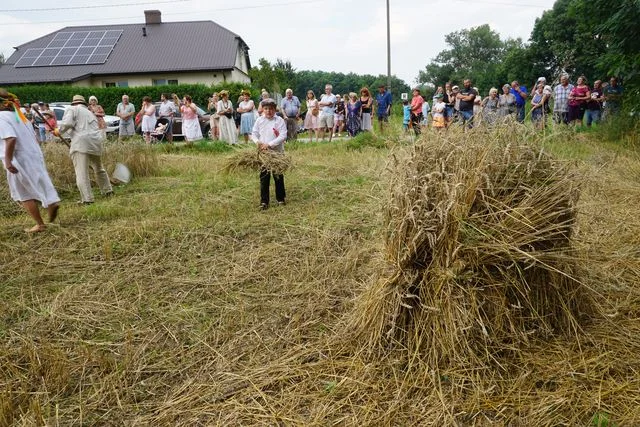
column 122, row 83
column 162, row 82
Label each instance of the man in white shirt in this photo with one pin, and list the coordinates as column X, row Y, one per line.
column 85, row 149
column 328, row 105
column 270, row 132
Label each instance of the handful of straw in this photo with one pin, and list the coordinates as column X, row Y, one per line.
column 258, row 160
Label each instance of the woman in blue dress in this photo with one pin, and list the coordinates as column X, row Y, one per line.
column 354, row 115
column 248, row 118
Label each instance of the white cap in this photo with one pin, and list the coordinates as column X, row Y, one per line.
column 541, row 79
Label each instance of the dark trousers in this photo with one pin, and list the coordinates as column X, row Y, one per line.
column 292, row 128
column 265, row 181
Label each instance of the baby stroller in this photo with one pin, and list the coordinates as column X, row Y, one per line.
column 159, row 133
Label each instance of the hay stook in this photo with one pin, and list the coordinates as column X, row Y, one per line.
column 257, row 160
column 478, row 239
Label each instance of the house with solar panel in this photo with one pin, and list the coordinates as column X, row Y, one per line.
column 153, row 53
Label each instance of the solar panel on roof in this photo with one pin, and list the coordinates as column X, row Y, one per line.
column 72, row 48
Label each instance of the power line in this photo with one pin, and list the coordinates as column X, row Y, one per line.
column 49, row 9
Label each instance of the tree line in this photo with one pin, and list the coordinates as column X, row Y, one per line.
column 278, row 76
column 595, row 38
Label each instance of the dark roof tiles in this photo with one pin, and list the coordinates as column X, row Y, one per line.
column 167, row 47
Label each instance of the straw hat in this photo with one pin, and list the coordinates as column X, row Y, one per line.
column 223, row 93
column 78, row 99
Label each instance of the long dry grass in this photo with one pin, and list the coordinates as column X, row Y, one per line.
column 177, row 303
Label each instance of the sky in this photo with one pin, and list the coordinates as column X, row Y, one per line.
column 327, row 35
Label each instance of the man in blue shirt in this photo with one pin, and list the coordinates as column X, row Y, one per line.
column 383, row 99
column 520, row 92
column 290, row 108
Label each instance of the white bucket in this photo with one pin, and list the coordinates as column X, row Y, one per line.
column 121, row 174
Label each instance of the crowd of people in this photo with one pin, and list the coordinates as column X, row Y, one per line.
column 572, row 104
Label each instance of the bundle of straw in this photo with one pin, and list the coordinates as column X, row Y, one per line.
column 478, row 240
column 258, row 160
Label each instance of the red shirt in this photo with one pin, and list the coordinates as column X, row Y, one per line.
column 416, row 104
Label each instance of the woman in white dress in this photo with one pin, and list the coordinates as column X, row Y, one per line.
column 248, row 117
column 148, row 112
column 190, row 123
column 227, row 125
column 22, row 158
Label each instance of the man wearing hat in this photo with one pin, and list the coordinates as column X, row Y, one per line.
column 270, row 132
column 85, row 149
column 27, row 175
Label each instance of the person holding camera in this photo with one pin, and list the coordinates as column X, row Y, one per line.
column 227, row 124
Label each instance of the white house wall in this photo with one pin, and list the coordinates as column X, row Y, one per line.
column 133, row 80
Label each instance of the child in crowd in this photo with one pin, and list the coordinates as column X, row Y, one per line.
column 425, row 114
column 406, row 118
column 438, row 112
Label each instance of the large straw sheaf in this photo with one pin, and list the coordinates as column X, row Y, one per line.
column 252, row 159
column 478, row 241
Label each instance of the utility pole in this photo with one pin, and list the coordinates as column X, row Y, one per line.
column 388, row 49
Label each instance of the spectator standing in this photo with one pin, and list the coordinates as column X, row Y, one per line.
column 190, row 123
column 270, row 132
column 506, row 103
column 449, row 100
column 311, row 117
column 490, row 107
column 246, row 108
column 406, row 115
column 520, row 92
column 125, row 110
column 539, row 105
column 85, row 149
column 338, row 116
column 578, row 98
column 38, row 122
column 354, row 115
column 27, row 175
column 366, row 102
column 290, row 107
column 477, row 107
column 439, row 112
column 613, row 98
column 416, row 110
column 97, row 111
column 467, row 96
column 263, row 95
column 594, row 104
column 225, row 112
column 383, row 100
column 148, row 112
column 50, row 123
column 561, row 100
column 167, row 111
column 425, row 114
column 327, row 105
column 455, row 91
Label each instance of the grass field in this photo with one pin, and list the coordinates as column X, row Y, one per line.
column 178, row 302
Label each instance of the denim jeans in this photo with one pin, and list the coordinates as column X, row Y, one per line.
column 520, row 113
column 593, row 116
column 467, row 117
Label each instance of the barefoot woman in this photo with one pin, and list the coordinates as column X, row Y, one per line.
column 27, row 174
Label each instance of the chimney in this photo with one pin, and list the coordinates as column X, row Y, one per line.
column 152, row 17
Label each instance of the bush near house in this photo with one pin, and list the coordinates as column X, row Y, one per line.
column 109, row 97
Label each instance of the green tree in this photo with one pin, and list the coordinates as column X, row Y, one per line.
column 474, row 53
